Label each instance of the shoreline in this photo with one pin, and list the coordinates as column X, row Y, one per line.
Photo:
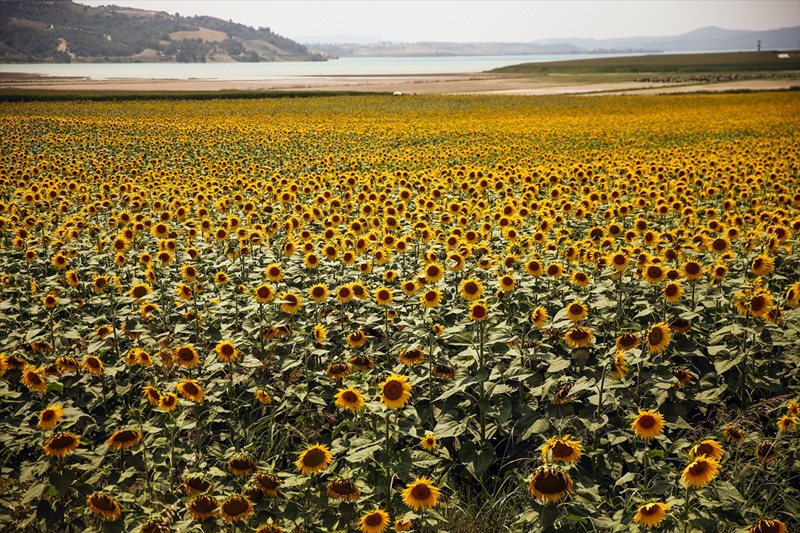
column 462, row 83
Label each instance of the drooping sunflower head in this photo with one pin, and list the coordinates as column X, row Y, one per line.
column 61, row 444
column 104, row 505
column 421, row 494
column 314, row 459
column 550, row 483
column 196, row 484
column 412, row 356
column 50, row 417
column 709, row 448
column 268, row 483
column 241, row 464
column 122, row 439
column 766, row 451
column 235, row 508
column 203, row 507
column 769, row 525
column 395, row 391
column 343, row 490
column 579, row 337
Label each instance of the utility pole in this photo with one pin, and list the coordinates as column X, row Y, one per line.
column 759, row 45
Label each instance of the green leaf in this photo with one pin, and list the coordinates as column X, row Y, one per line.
column 625, row 478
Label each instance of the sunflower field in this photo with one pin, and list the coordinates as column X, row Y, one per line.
column 426, row 313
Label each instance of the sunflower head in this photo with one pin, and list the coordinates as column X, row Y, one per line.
column 343, row 490
column 700, row 471
column 651, row 514
column 374, row 521
column 314, row 459
column 421, row 494
column 104, row 505
column 769, row 525
column 561, row 449
column 395, row 391
column 550, row 483
column 235, row 508
column 648, row 424
column 350, row 399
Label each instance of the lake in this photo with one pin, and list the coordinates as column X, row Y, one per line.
column 347, row 66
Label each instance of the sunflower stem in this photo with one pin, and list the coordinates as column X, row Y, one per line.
column 600, row 392
column 686, row 510
column 144, row 459
column 483, row 385
column 388, row 470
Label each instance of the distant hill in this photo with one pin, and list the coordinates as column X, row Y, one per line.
column 63, row 31
column 709, row 39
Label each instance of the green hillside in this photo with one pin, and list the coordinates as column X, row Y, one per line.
column 63, row 31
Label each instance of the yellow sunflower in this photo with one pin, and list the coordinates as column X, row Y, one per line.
column 421, row 494
column 654, row 274
column 50, row 417
column 651, row 514
column 169, row 401
column 122, row 439
column 263, row 397
column 61, row 444
column 550, row 483
column 186, row 356
column 471, row 289
column 648, row 424
column 700, row 471
column 319, row 292
column 227, row 352
column 314, row 459
column 561, row 449
column 411, row 357
column 619, row 366
column 506, row 283
column 34, row 379
column 576, row 311
column 343, row 490
column 374, row 521
column 104, row 506
column 431, row 298
column 539, row 317
column 274, row 272
column 384, row 296
column 269, row 483
column 578, row 337
column 350, row 399
column 429, row 442
column 184, row 291
column 291, row 302
column 395, row 391
column 658, row 338
column 203, row 507
column 479, row 311
column 191, row 390
column 673, row 291
column 787, row 424
column 264, row 293
column 93, row 365
column 709, row 448
column 434, row 272
column 769, row 525
column 356, row 339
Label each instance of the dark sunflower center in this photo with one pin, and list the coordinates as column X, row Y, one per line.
column 62, row 441
column 314, row 457
column 550, row 482
column 655, row 337
column 227, row 350
column 48, row 415
column 757, row 303
column 578, row 334
column 705, row 449
column 190, row 388
column 198, row 484
column 268, row 482
column 349, row 397
column 430, row 296
column 619, row 259
column 274, row 272
column 562, row 449
column 627, row 340
column 719, row 244
column 471, row 287
column 649, row 510
column 318, row 292
column 393, row 390
column 646, row 422
column 654, row 272
column 343, row 487
column 125, row 436
column 383, row 295
column 421, row 492
column 103, row 502
column 373, row 520
column 34, row 378
column 576, row 309
column 671, row 290
column 185, row 355
column 235, row 506
column 699, row 468
column 344, row 292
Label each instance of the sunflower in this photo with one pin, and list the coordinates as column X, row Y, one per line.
column 221, row 278
column 787, row 424
column 555, row 271
column 191, row 390
column 700, row 471
column 374, row 521
column 434, row 272
column 314, row 459
column 673, row 291
column 619, row 365
column 579, row 279
column 766, row 451
column 680, row 325
column 654, row 274
column 227, row 352
column 539, row 317
column 264, row 293
column 202, row 507
column 733, row 433
column 576, row 311
column 189, row 273
column 429, row 442
column 561, row 449
column 61, row 444
column 627, row 341
column 762, row 265
column 395, row 391
column 169, row 401
column 444, row 371
column 100, row 283
column 437, row 329
column 759, row 304
column 122, row 439
column 479, row 311
column 769, row 525
column 241, row 464
column 33, row 378
column 411, row 357
column 196, row 484
column 579, row 336
column 291, row 302
column 651, row 514
column 648, row 424
column 658, row 338
column 710, row 448
column 270, row 529
column 682, row 375
column 274, row 272
column 350, row 399
column 534, row 268
column 720, row 245
column 409, row 287
column 471, row 289
column 421, row 494
column 506, row 283
column 72, row 278
column 186, row 356
column 268, row 483
column 93, row 365
column 618, row 261
column 359, row 290
column 402, row 525
column 50, row 417
column 356, row 339
column 793, row 408
column 50, row 301
column 343, row 490
column 550, row 483
column 152, row 395
column 383, row 296
column 431, row 298
column 67, row 363
column 692, row 270
column 319, row 292
column 104, row 506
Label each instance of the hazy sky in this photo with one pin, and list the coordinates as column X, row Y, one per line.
column 485, row 20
